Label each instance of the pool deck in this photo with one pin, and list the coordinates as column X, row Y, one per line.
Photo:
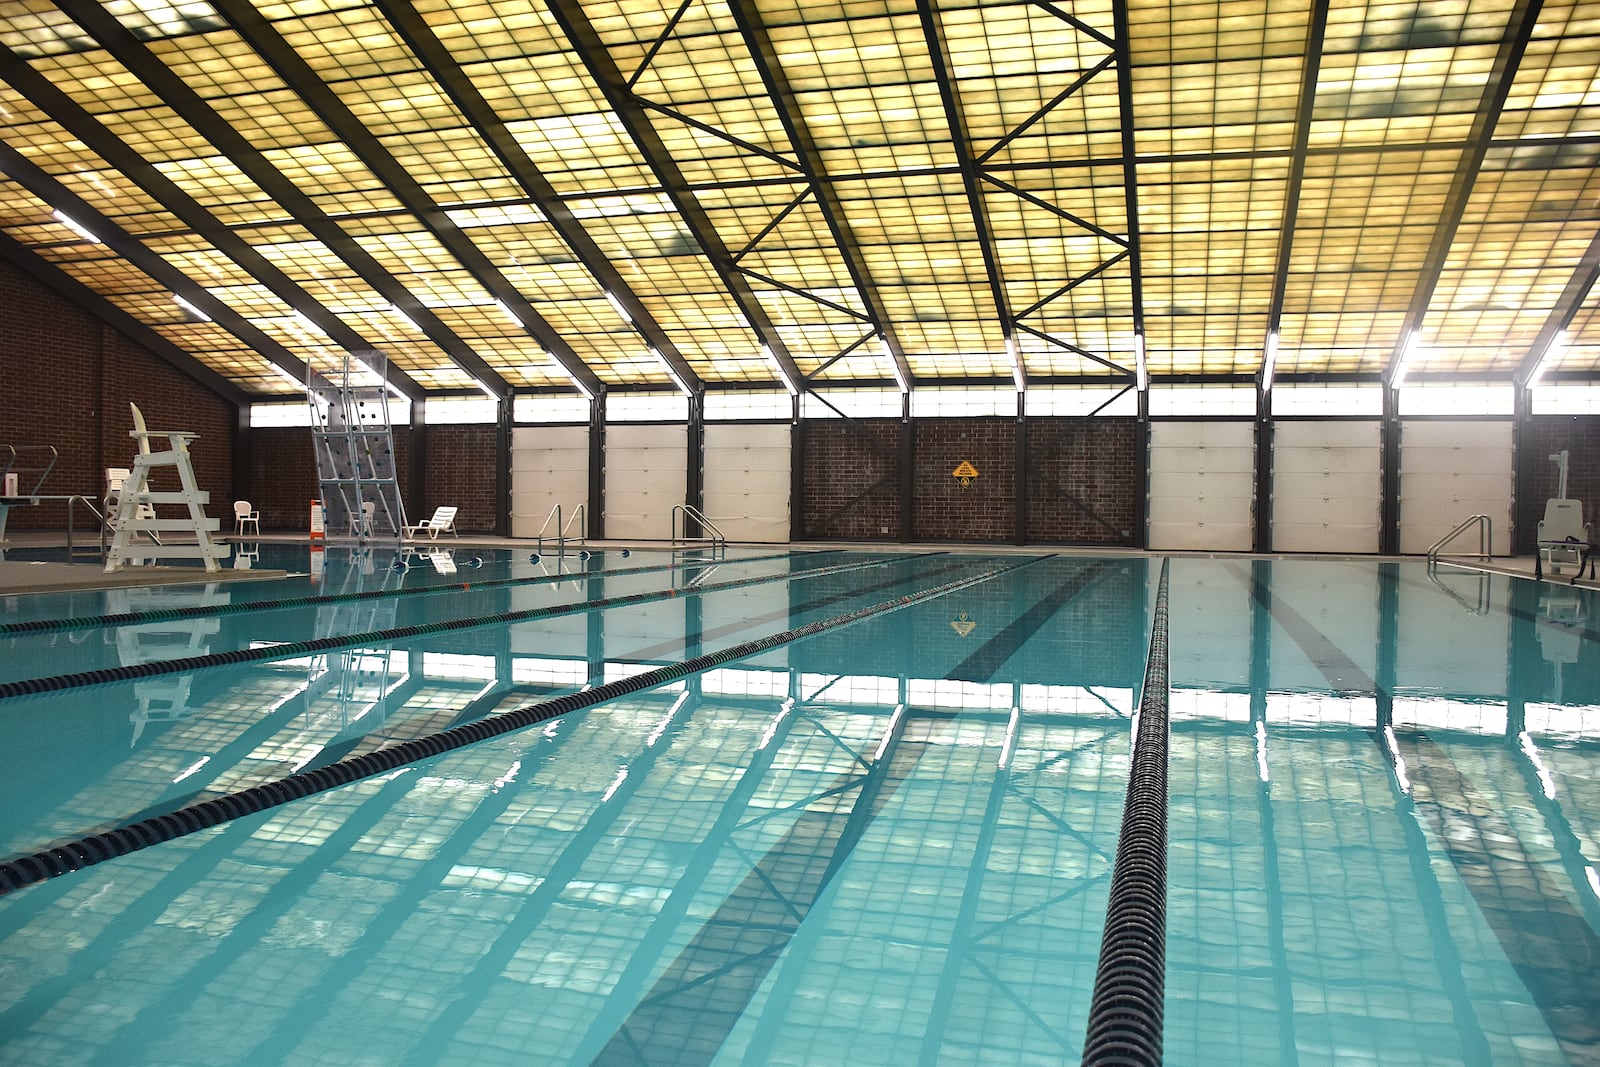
column 18, row 576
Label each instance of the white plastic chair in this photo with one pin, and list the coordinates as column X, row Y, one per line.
column 443, row 520
column 361, row 525
column 244, row 515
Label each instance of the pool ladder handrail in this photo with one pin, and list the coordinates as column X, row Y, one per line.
column 561, row 536
column 1485, row 527
column 689, row 511
column 9, row 454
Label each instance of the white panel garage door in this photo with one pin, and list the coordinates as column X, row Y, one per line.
column 646, row 476
column 1327, row 486
column 1448, row 472
column 1202, row 485
column 549, row 466
column 747, row 480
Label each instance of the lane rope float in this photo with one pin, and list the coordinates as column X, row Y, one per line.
column 194, row 611
column 291, row 649
column 97, row 848
column 1125, row 1016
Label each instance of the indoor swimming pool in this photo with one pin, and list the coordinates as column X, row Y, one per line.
column 877, row 826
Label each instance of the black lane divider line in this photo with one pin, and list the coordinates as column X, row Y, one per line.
column 338, row 750
column 97, row 848
column 194, row 611
column 1544, row 935
column 1125, row 1017
column 660, row 648
column 1344, row 675
column 990, row 656
column 291, row 649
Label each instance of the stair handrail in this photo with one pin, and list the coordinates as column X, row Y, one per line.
column 555, row 514
column 687, row 512
column 1485, row 527
column 9, row 454
column 580, row 519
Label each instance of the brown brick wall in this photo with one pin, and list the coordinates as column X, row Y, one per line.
column 66, row 380
column 840, row 464
column 1078, row 464
column 984, row 509
column 460, row 471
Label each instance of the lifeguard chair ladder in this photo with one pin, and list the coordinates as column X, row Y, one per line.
column 129, row 522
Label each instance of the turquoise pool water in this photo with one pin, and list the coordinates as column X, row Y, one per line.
column 887, row 843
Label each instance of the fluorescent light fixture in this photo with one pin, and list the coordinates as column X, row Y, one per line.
column 1269, row 361
column 490, row 393
column 77, row 227
column 682, row 388
column 783, row 376
column 1552, row 354
column 508, row 313
column 616, row 305
column 190, row 308
column 1015, row 351
column 1401, row 365
column 894, row 365
column 1141, row 369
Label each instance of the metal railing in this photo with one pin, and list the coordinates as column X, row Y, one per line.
column 561, row 536
column 11, row 455
column 688, row 512
column 1485, row 527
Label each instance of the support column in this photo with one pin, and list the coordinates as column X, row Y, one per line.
column 597, row 467
column 1389, row 507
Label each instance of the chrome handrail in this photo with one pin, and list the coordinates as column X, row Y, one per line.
column 689, row 511
column 579, row 517
column 1485, row 538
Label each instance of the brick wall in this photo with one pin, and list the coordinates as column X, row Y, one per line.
column 66, row 380
column 283, row 475
column 1543, row 436
column 840, row 463
column 1078, row 464
column 984, row 509
column 460, row 471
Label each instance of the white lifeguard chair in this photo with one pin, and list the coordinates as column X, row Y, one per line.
column 135, row 505
column 1563, row 535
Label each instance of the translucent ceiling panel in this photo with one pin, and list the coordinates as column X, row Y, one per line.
column 1530, row 216
column 1405, row 73
column 1363, row 226
column 1209, row 242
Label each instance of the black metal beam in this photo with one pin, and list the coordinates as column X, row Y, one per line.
column 44, row 186
column 747, row 15
column 1571, row 299
column 42, row 270
column 77, row 121
column 1507, row 58
column 1130, row 171
column 955, row 116
column 133, row 54
column 436, row 60
column 1316, row 30
column 574, row 22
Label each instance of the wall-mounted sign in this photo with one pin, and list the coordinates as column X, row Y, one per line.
column 964, row 473
column 963, row 624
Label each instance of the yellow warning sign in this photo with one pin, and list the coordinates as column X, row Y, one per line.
column 964, row 473
column 963, row 624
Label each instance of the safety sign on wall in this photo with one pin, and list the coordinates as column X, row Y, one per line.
column 965, row 473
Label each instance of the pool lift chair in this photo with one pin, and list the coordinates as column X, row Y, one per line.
column 1563, row 535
